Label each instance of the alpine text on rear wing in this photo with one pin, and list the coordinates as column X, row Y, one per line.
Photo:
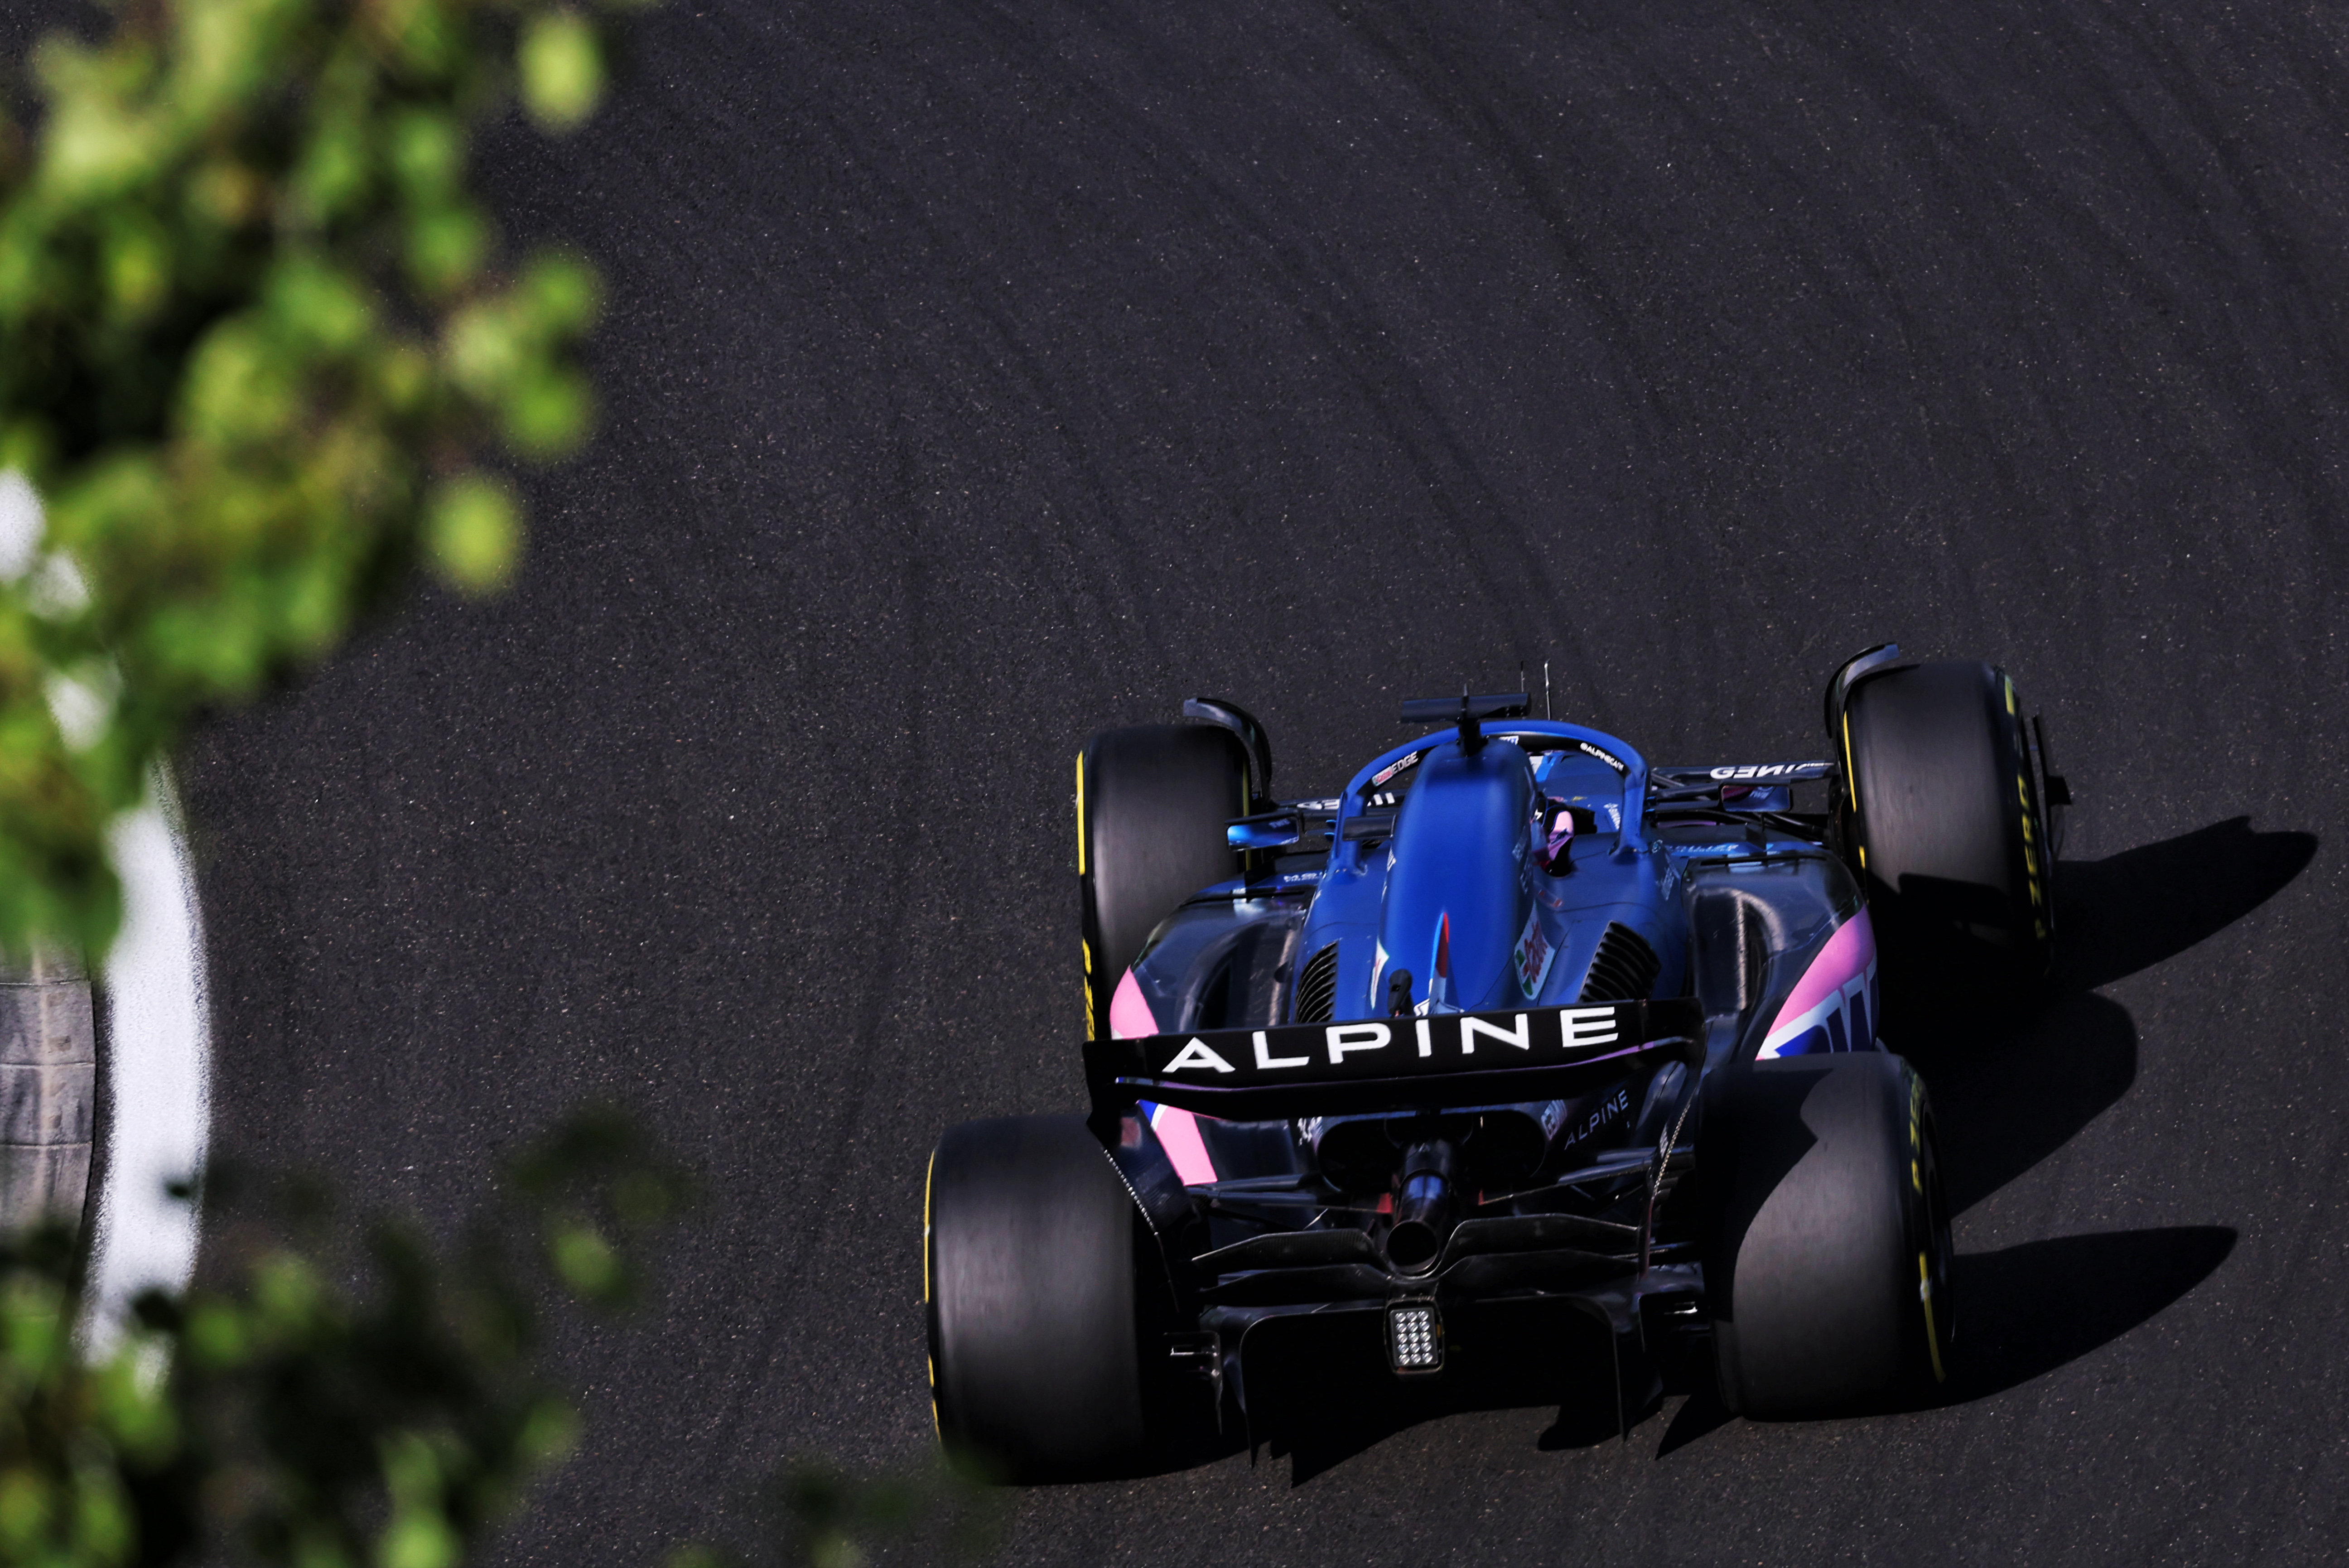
column 1432, row 1060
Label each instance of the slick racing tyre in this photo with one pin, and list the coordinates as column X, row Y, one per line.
column 1031, row 1267
column 1943, row 819
column 1152, row 803
column 1826, row 1265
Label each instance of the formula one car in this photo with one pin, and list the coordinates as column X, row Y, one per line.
column 1539, row 1023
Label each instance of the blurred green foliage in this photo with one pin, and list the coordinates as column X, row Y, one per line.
column 316, row 1403
column 258, row 356
column 819, row 1515
column 341, row 1397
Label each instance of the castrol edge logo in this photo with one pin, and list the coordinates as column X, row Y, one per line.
column 1398, row 1046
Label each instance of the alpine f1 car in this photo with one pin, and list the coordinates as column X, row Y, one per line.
column 1539, row 1021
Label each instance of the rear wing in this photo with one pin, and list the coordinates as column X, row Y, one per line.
column 1430, row 1062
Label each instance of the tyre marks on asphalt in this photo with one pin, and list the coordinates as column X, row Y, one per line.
column 1280, row 354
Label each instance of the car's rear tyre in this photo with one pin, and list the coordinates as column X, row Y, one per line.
column 1031, row 1267
column 1827, row 1244
column 1152, row 803
column 1943, row 820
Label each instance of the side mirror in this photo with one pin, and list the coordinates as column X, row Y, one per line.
column 1265, row 830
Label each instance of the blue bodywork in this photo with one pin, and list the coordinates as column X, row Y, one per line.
column 1459, row 863
column 1441, row 866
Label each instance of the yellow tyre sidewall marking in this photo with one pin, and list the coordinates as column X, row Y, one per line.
column 929, row 1176
column 1917, row 1180
column 1091, row 1032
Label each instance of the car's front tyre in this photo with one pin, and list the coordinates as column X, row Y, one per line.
column 1943, row 820
column 1153, row 804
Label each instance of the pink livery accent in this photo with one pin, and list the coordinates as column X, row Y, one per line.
column 1130, row 1018
column 1833, row 1007
column 1129, row 1015
column 1178, row 1133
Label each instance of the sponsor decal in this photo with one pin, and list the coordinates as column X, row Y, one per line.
column 1264, row 1056
column 1604, row 755
column 1756, row 773
column 1393, row 768
column 1613, row 1105
column 1198, row 1053
column 1533, row 955
column 1432, row 1042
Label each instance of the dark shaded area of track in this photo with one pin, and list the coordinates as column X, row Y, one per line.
column 978, row 375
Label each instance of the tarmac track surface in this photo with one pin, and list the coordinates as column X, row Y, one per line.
column 977, row 376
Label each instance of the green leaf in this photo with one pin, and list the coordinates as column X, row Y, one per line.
column 446, row 247
column 216, row 1334
column 475, row 534
column 586, row 1261
column 332, row 178
column 547, row 415
column 562, row 67
column 562, row 295
column 101, row 1517
column 138, row 268
column 320, row 306
column 96, row 144
column 427, row 154
column 238, row 390
column 550, row 1431
column 419, row 1540
column 25, row 1511
column 287, row 1290
column 484, row 348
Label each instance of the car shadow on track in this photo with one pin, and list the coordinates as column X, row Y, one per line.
column 2011, row 1094
column 2131, row 910
column 1324, row 1401
column 2025, row 1311
column 2007, row 1095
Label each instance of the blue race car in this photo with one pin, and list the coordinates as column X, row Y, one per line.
column 1515, row 1018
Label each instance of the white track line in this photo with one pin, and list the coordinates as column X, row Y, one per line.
column 159, row 1070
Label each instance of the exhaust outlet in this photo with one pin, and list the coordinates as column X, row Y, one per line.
column 1425, row 1207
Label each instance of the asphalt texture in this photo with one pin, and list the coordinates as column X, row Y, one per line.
column 976, row 375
